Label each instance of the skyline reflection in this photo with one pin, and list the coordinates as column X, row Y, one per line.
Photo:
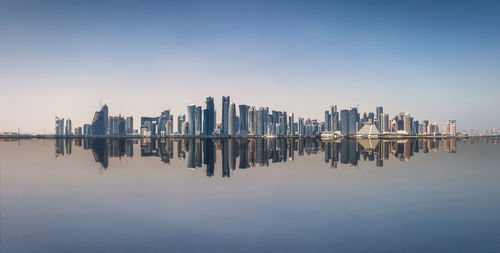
column 248, row 153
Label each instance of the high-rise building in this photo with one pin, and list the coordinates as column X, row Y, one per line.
column 384, row 123
column 379, row 111
column 78, row 131
column 226, row 100
column 100, row 122
column 209, row 117
column 87, row 130
column 344, row 117
column 180, row 121
column 68, row 129
column 292, row 124
column 334, row 115
column 149, row 126
column 243, row 119
column 197, row 120
column 232, row 127
column 353, row 120
column 59, row 126
column 252, row 120
column 328, row 121
column 302, row 130
column 129, row 125
column 284, row 127
column 407, row 123
column 165, row 122
column 453, row 127
column 260, row 121
column 191, row 119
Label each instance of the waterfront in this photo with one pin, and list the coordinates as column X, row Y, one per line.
column 249, row 195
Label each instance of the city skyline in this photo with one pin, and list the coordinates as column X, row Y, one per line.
column 437, row 60
column 256, row 121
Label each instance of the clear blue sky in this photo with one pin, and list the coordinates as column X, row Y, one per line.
column 437, row 60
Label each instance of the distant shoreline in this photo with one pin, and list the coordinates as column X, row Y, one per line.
column 392, row 137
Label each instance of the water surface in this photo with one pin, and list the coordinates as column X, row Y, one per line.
column 278, row 195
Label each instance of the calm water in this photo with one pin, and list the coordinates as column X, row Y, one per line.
column 249, row 196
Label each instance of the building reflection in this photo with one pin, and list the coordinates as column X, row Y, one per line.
column 248, row 153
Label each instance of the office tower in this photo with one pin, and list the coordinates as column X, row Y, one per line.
column 453, row 127
column 149, row 126
column 243, row 119
column 301, row 126
column 185, row 128
column 284, row 126
column 344, row 117
column 114, row 123
column 260, row 120
column 191, row 115
column 328, row 121
column 87, row 130
column 209, row 117
column 100, row 122
column 384, row 123
column 197, row 120
column 67, row 130
column 251, row 120
column 78, row 131
column 334, row 115
column 407, row 123
column 180, row 121
column 59, row 126
column 225, row 111
column 292, row 124
column 129, row 125
column 379, row 111
column 232, row 120
column 163, row 122
column 424, row 125
column 415, row 126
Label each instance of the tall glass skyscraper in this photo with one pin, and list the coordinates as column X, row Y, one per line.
column 100, row 122
column 191, row 121
column 225, row 111
column 243, row 119
column 232, row 120
column 209, row 117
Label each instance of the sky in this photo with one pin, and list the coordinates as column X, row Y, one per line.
column 436, row 60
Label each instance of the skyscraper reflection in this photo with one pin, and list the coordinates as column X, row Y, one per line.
column 251, row 152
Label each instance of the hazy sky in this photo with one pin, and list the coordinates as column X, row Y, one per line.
column 435, row 60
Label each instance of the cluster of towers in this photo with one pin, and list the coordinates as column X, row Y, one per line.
column 244, row 120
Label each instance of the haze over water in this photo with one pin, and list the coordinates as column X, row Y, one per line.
column 239, row 195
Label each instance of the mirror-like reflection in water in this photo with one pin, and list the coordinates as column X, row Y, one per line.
column 254, row 152
column 249, row 195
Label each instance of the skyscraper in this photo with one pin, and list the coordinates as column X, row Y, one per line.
column 191, row 115
column 129, row 125
column 100, row 122
column 251, row 120
column 379, row 111
column 209, row 117
column 68, row 130
column 225, row 111
column 197, row 120
column 243, row 119
column 344, row 117
column 334, row 115
column 180, row 121
column 59, row 126
column 384, row 123
column 328, row 121
column 353, row 120
column 407, row 123
column 232, row 120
